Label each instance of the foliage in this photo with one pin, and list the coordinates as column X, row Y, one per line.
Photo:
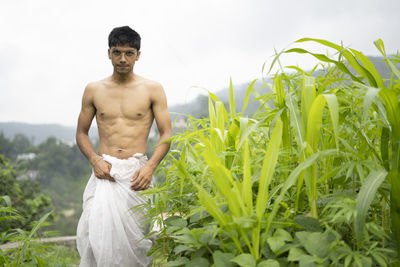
column 310, row 179
column 25, row 197
column 29, row 252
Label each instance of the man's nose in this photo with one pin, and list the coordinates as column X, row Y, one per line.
column 122, row 58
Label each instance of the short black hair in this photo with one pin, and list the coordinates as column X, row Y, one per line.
column 124, row 36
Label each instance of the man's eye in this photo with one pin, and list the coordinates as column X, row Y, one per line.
column 130, row 53
column 116, row 52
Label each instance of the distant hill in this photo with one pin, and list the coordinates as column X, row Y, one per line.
column 37, row 133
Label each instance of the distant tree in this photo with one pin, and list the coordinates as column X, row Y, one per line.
column 7, row 147
column 21, row 143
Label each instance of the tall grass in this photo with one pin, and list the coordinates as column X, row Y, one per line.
column 312, row 178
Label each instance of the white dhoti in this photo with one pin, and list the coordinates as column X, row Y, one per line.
column 109, row 233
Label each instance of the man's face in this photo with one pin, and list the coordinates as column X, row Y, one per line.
column 123, row 58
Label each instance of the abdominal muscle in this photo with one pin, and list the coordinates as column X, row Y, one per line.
column 122, row 139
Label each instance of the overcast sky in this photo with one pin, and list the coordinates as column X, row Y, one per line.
column 50, row 49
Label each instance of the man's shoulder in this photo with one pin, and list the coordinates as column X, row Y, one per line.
column 96, row 84
column 150, row 84
column 92, row 88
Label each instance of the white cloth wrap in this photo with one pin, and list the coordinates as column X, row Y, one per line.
column 109, row 233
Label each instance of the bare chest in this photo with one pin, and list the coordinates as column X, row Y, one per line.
column 125, row 104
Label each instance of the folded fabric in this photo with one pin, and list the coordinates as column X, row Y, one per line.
column 111, row 233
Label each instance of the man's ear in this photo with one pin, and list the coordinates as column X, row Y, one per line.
column 138, row 55
column 109, row 53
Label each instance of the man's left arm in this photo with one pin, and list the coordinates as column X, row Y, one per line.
column 142, row 178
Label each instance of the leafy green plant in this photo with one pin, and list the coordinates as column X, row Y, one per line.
column 310, row 179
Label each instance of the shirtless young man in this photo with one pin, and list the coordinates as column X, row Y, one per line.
column 125, row 105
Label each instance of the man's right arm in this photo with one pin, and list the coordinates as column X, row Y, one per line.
column 88, row 111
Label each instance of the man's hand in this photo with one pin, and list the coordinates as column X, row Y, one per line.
column 102, row 169
column 142, row 178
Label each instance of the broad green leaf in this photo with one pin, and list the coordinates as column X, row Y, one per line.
column 392, row 107
column 316, row 243
column 364, row 199
column 369, row 67
column 269, row 263
column 176, row 221
column 198, row 262
column 181, row 248
column 314, row 122
column 244, row 260
column 295, row 254
column 308, row 223
column 223, row 259
column 278, row 240
column 307, row 98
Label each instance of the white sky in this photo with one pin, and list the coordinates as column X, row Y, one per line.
column 49, row 50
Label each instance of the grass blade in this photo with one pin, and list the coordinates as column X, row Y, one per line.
column 364, row 199
column 268, row 168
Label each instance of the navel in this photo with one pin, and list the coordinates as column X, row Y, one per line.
column 139, row 114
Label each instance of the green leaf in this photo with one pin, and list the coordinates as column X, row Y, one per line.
column 209, row 204
column 369, row 97
column 295, row 254
column 269, row 263
column 176, row 221
column 308, row 223
column 181, row 248
column 223, row 259
column 277, row 241
column 307, row 261
column 333, row 105
column 247, row 95
column 351, row 60
column 198, row 262
column 232, row 104
column 244, row 260
column 316, row 243
column 7, row 200
column 290, row 181
column 295, row 119
column 246, row 222
column 268, row 168
column 247, row 192
column 177, row 262
column 364, row 199
column 324, row 58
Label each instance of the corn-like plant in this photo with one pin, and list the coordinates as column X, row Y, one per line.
column 311, row 178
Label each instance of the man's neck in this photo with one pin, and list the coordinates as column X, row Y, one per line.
column 122, row 78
